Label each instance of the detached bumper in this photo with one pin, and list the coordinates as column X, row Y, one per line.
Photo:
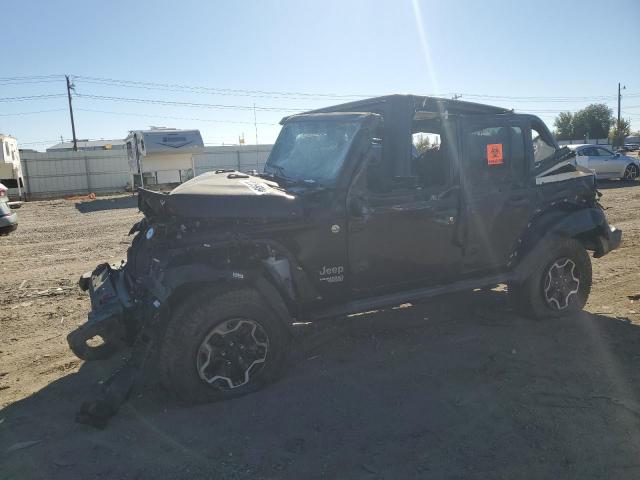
column 109, row 302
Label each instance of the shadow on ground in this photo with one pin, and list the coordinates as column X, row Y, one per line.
column 99, row 204
column 459, row 388
column 613, row 184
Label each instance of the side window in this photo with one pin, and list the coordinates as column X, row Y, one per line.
column 494, row 155
column 430, row 157
column 589, row 152
column 604, row 153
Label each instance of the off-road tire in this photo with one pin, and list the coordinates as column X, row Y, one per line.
column 529, row 296
column 189, row 326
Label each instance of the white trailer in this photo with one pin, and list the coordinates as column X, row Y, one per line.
column 162, row 155
column 10, row 168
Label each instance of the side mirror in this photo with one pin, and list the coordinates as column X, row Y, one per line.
column 616, row 155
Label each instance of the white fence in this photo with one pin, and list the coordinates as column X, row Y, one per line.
column 580, row 141
column 59, row 174
column 242, row 158
column 56, row 174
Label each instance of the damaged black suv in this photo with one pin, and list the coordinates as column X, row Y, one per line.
column 360, row 206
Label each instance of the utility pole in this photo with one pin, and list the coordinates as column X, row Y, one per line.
column 73, row 126
column 255, row 123
column 618, row 139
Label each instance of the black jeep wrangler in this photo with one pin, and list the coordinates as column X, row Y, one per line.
column 361, row 205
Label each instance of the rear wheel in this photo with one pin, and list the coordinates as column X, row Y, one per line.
column 222, row 346
column 559, row 285
column 632, row 172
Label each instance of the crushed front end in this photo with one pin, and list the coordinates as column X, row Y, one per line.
column 125, row 314
column 121, row 302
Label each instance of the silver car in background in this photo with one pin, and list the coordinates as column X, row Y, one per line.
column 606, row 164
column 8, row 219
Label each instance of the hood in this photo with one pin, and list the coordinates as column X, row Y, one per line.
column 222, row 194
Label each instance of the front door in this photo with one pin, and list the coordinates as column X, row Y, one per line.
column 401, row 231
column 499, row 197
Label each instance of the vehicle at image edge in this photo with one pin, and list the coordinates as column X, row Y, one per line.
column 606, row 164
column 8, row 219
column 362, row 205
column 632, row 147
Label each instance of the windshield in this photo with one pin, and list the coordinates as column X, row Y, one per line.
column 312, row 150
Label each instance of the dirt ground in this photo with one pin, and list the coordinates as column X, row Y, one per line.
column 455, row 388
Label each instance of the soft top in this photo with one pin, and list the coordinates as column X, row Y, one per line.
column 420, row 103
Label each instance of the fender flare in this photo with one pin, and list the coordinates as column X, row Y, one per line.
column 592, row 221
column 177, row 277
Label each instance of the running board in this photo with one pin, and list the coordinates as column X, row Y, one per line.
column 373, row 303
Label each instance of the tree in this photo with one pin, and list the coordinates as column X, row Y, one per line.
column 593, row 121
column 421, row 142
column 620, row 131
column 564, row 126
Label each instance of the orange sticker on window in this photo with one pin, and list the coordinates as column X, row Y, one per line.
column 494, row 154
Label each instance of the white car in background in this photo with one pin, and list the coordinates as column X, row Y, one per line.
column 606, row 164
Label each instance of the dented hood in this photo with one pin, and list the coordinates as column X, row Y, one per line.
column 222, row 194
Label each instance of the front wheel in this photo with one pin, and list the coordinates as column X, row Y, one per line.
column 220, row 346
column 559, row 285
column 632, row 172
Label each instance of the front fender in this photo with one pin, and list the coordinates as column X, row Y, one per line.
column 581, row 221
column 163, row 286
column 184, row 275
column 588, row 225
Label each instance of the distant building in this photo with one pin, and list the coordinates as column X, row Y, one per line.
column 88, row 145
column 162, row 155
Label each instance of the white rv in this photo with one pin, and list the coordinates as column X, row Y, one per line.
column 162, row 155
column 10, row 168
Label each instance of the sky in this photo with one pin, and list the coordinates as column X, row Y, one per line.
column 222, row 58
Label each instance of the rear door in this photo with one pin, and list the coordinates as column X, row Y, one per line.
column 499, row 196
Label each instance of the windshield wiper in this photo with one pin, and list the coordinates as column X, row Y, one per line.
column 290, row 182
column 279, row 172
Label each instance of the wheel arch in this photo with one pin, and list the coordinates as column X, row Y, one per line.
column 181, row 283
column 586, row 225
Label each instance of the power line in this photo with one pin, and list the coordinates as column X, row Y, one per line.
column 128, row 114
column 308, row 95
column 28, row 82
column 30, row 77
column 560, row 99
column 212, row 90
column 32, row 97
column 31, row 113
column 185, row 104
